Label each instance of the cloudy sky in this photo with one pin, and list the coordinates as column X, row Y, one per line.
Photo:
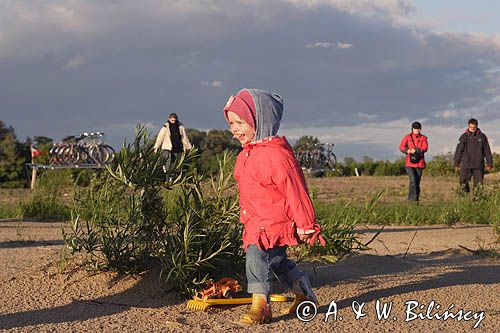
column 353, row 72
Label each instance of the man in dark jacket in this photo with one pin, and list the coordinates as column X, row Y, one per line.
column 472, row 149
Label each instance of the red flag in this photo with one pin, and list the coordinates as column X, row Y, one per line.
column 35, row 152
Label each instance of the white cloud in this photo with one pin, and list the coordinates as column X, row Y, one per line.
column 321, row 45
column 363, row 7
column 327, row 45
column 213, row 84
column 76, row 62
column 366, row 115
column 344, row 45
column 446, row 114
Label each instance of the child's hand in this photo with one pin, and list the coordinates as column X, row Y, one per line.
column 310, row 236
column 304, row 238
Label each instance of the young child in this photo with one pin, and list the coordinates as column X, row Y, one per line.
column 275, row 206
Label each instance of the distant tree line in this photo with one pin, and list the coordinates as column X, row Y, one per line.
column 14, row 154
column 209, row 145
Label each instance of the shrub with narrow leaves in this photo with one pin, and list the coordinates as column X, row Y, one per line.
column 139, row 213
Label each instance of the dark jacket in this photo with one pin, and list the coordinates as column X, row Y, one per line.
column 472, row 149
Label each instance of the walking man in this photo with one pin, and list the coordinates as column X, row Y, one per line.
column 172, row 139
column 472, row 149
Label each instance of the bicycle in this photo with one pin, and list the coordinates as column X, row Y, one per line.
column 317, row 158
column 88, row 148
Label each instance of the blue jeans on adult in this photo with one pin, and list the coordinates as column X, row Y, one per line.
column 261, row 264
column 415, row 174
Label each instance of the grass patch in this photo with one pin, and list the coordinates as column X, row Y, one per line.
column 478, row 207
column 9, row 211
column 45, row 202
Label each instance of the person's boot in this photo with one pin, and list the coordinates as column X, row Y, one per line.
column 259, row 312
column 303, row 292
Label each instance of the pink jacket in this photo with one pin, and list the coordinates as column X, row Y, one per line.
column 420, row 145
column 273, row 194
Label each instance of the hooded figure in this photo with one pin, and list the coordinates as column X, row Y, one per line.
column 275, row 206
column 259, row 108
column 172, row 136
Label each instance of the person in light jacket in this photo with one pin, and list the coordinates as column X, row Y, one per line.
column 172, row 140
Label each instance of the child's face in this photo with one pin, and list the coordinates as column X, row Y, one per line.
column 241, row 129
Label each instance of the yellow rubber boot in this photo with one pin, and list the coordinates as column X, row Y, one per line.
column 299, row 298
column 259, row 312
column 303, row 292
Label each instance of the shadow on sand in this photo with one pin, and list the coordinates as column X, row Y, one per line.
column 80, row 310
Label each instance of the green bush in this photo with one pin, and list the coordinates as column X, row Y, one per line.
column 440, row 165
column 338, row 222
column 13, row 184
column 369, row 167
column 82, row 177
column 45, row 202
column 9, row 211
column 203, row 240
column 138, row 214
column 390, row 168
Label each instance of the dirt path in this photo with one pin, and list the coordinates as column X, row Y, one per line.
column 35, row 297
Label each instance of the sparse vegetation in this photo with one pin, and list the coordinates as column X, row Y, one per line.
column 137, row 215
column 46, row 201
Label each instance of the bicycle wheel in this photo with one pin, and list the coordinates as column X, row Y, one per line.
column 56, row 155
column 316, row 163
column 53, row 155
column 110, row 153
column 63, row 153
column 82, row 155
column 97, row 155
column 301, row 158
column 331, row 161
column 72, row 155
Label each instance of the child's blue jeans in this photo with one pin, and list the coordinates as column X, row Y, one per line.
column 260, row 265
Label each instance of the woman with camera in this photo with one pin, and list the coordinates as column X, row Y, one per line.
column 414, row 145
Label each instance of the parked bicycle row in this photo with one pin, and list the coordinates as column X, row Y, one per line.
column 317, row 157
column 88, row 148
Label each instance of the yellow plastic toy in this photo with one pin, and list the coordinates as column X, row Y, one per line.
column 204, row 305
column 221, row 293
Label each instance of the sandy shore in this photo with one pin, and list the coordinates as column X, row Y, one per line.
column 36, row 297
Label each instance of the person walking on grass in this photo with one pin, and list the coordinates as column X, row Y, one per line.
column 172, row 139
column 472, row 149
column 275, row 206
column 414, row 145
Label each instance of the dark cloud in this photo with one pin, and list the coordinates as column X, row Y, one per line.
column 77, row 66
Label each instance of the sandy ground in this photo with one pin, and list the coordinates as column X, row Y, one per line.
column 36, row 297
